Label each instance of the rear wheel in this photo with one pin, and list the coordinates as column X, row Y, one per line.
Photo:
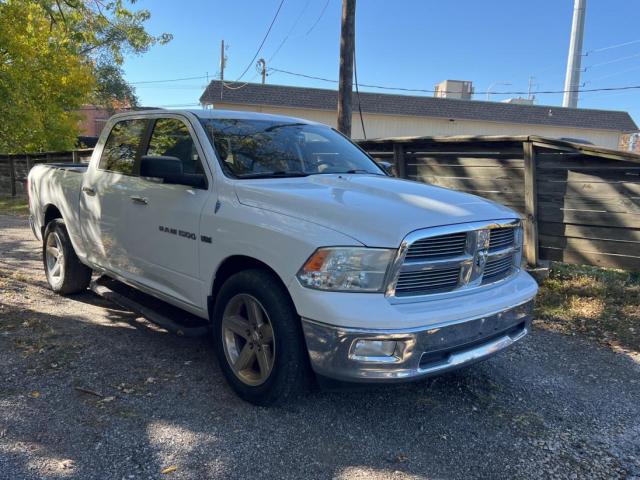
column 258, row 339
column 65, row 273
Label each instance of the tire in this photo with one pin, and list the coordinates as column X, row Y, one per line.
column 65, row 273
column 289, row 374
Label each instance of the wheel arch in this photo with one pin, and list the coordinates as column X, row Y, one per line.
column 235, row 264
column 51, row 212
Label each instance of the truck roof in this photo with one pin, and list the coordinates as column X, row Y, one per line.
column 222, row 114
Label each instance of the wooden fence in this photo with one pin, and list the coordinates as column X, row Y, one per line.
column 581, row 203
column 14, row 168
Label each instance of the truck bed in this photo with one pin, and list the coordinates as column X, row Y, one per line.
column 71, row 167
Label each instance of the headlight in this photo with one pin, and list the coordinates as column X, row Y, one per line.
column 346, row 269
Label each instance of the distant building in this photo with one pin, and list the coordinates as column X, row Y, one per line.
column 460, row 89
column 387, row 115
column 93, row 118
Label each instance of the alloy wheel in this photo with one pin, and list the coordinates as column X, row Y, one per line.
column 248, row 339
column 54, row 258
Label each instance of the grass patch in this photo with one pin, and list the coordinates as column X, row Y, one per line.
column 14, row 206
column 600, row 303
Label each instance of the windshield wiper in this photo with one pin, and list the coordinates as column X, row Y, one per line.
column 276, row 174
column 353, row 170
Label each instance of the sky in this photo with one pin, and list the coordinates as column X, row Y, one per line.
column 399, row 43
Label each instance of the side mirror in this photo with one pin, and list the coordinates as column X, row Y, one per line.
column 160, row 167
column 388, row 167
column 169, row 170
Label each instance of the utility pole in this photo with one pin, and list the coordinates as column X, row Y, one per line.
column 223, row 62
column 345, row 80
column 572, row 79
column 262, row 68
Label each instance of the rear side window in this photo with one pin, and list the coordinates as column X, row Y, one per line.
column 119, row 154
column 171, row 138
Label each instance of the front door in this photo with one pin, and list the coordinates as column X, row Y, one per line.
column 163, row 218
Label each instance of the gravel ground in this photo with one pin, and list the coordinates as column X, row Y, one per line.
column 91, row 391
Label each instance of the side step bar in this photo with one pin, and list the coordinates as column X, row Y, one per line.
column 180, row 322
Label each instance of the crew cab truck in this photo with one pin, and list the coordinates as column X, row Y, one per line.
column 303, row 254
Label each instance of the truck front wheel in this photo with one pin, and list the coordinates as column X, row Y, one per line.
column 65, row 273
column 258, row 339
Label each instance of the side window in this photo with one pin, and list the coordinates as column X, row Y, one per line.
column 171, row 138
column 119, row 154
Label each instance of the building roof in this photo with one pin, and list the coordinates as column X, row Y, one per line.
column 420, row 106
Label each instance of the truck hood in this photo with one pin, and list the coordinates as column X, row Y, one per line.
column 375, row 210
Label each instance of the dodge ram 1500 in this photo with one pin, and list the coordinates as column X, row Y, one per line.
column 304, row 255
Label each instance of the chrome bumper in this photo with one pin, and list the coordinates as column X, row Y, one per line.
column 418, row 352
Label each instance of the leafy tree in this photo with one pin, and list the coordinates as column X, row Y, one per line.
column 56, row 55
column 42, row 79
column 112, row 90
column 105, row 31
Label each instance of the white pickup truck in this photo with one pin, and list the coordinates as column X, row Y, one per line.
column 303, row 254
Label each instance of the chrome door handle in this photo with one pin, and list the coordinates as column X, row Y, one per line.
column 139, row 200
column 89, row 191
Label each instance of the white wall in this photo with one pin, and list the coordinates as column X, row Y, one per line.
column 401, row 126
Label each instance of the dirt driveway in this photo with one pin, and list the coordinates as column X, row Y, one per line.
column 88, row 390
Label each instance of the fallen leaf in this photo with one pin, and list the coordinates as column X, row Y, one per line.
column 169, row 469
column 34, row 394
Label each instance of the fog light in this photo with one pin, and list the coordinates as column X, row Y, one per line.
column 374, row 348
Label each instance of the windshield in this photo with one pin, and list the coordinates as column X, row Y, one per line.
column 267, row 148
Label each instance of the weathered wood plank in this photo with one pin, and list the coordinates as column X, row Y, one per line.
column 614, row 204
column 599, row 188
column 590, row 245
column 399, row 160
column 590, row 258
column 460, row 161
column 497, row 173
column 530, row 205
column 589, row 231
column 12, row 176
column 609, row 219
column 601, row 176
column 475, row 184
column 567, row 162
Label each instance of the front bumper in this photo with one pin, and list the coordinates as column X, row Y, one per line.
column 418, row 352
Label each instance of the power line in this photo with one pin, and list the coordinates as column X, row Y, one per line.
column 614, row 74
column 611, row 47
column 615, row 60
column 286, row 37
column 324, row 9
column 423, row 90
column 262, row 43
column 168, row 80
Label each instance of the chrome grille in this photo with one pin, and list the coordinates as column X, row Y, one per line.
column 501, row 238
column 497, row 268
column 451, row 258
column 430, row 281
column 438, row 247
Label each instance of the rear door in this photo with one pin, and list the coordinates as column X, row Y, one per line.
column 163, row 221
column 105, row 196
